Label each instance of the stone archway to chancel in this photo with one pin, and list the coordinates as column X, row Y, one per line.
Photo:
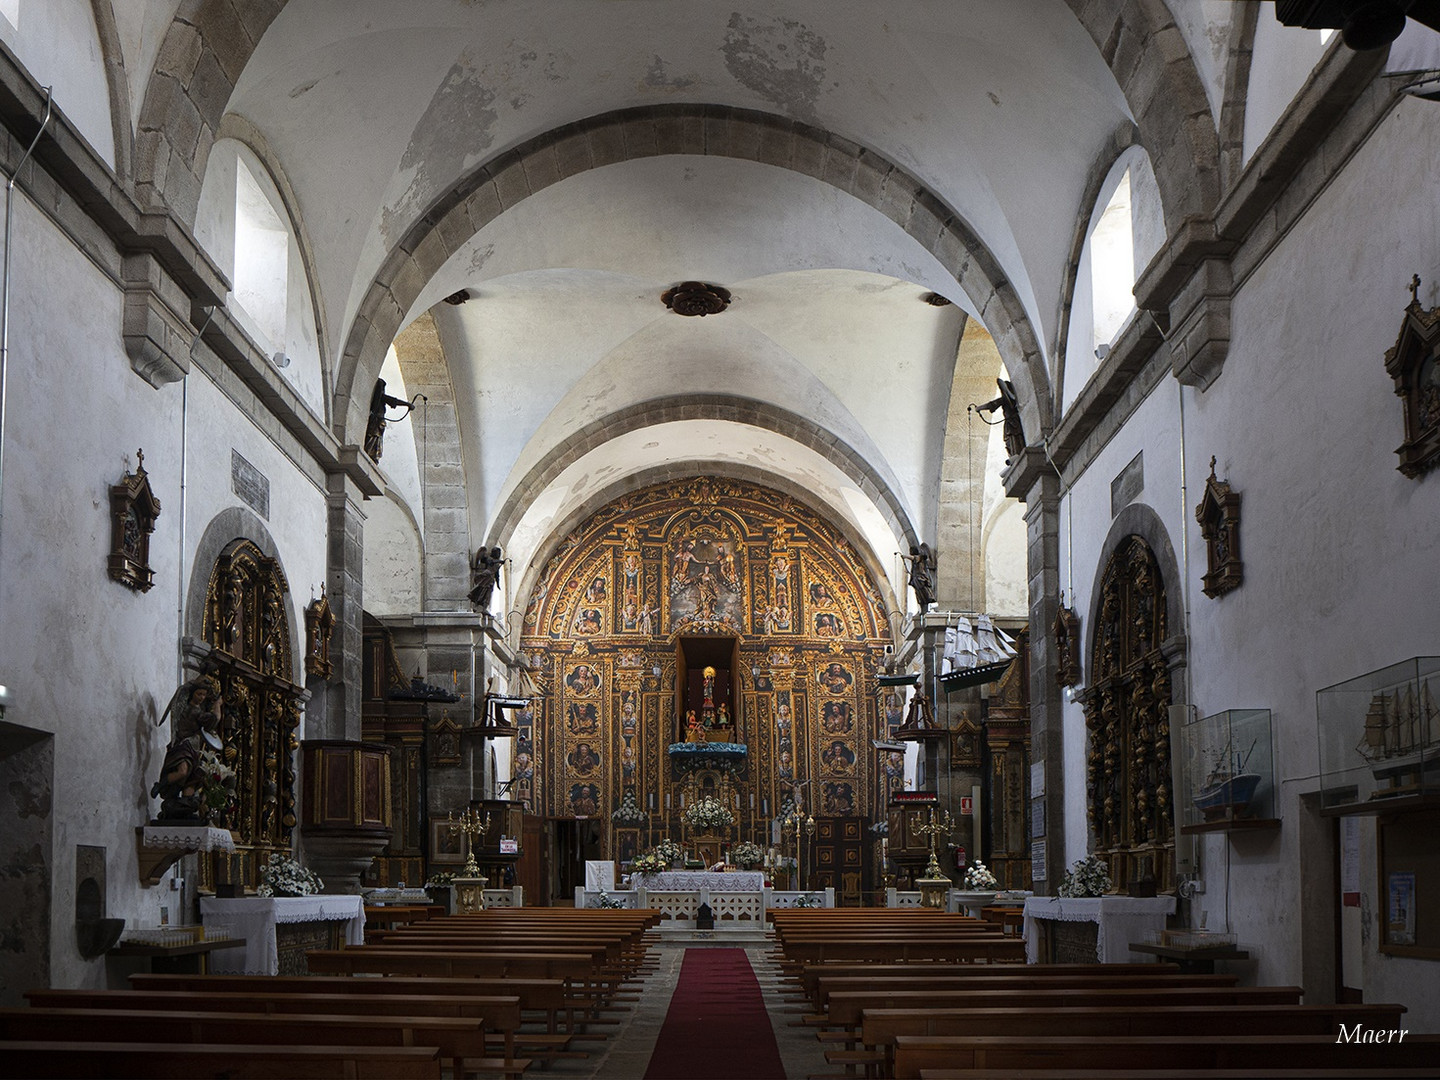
column 664, row 582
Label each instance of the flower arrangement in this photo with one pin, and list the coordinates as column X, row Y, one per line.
column 629, row 812
column 808, row 900
column 608, row 902
column 668, row 851
column 709, row 813
column 979, row 878
column 747, row 854
column 439, row 881
column 216, row 786
column 283, row 876
column 648, row 864
column 1088, row 877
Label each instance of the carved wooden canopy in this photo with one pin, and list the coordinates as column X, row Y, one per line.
column 1219, row 518
column 1414, row 363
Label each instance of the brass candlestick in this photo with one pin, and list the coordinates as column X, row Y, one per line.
column 473, row 824
column 935, row 827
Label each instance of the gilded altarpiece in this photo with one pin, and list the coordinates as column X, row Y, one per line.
column 714, row 567
column 1128, row 788
column 246, row 626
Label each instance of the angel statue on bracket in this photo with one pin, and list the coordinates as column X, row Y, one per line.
column 193, row 777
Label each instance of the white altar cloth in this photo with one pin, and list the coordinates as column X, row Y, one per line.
column 254, row 919
column 1121, row 920
column 694, row 880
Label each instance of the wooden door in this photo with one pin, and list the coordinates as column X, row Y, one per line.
column 839, row 858
column 530, row 869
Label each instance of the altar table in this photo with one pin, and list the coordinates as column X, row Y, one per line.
column 255, row 919
column 695, row 880
column 1119, row 920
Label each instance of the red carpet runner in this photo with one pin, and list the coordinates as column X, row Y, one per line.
column 717, row 1027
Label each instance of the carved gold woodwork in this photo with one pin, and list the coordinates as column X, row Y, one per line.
column 1219, row 518
column 319, row 625
column 703, row 559
column 1414, row 363
column 1129, row 800
column 245, row 624
column 1067, row 646
column 133, row 510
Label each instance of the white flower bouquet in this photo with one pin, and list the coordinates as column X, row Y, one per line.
column 1088, row 877
column 629, row 812
column 217, row 785
column 746, row 854
column 978, row 878
column 283, row 876
column 709, row 813
column 668, row 852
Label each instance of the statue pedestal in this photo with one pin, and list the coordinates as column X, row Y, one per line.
column 469, row 894
column 933, row 891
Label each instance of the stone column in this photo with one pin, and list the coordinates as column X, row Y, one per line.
column 1033, row 480
column 345, row 563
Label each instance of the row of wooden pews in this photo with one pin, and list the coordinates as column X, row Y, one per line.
column 354, row 1026
column 929, row 1014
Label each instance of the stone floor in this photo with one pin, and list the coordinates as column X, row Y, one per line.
column 626, row 1054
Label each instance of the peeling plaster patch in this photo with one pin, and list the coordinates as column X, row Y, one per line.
column 304, row 88
column 480, row 256
column 460, row 105
column 688, row 174
column 659, row 78
column 780, row 59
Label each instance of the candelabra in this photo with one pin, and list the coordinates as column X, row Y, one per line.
column 474, row 824
column 934, row 885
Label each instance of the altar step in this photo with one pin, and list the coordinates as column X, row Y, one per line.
column 674, row 932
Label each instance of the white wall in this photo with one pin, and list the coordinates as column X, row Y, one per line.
column 1282, row 60
column 87, row 658
column 57, row 43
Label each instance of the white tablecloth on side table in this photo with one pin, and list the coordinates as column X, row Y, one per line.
column 1121, row 920
column 254, row 918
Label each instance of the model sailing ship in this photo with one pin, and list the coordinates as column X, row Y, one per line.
column 1402, row 740
column 975, row 652
column 1228, row 789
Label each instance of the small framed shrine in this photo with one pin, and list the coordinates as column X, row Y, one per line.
column 133, row 510
column 1414, row 363
column 1219, row 517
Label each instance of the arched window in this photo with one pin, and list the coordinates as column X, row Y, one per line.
column 1129, row 795
column 243, row 224
column 1125, row 230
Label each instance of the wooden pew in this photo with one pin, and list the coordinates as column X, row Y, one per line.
column 222, row 1061
column 1121, row 1053
column 499, row 1014
column 845, row 1009
column 881, row 1027
column 978, row 949
column 546, row 996
column 456, row 1038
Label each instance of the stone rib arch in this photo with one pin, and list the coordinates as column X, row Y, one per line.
column 704, row 130
column 196, row 71
column 879, row 489
column 681, row 469
column 1151, row 62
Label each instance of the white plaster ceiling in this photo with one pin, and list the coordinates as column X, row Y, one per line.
column 374, row 109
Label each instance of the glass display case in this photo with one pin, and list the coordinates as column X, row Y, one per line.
column 1380, row 739
column 1227, row 772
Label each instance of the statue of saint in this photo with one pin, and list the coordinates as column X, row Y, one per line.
column 922, row 574
column 484, row 574
column 194, row 713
